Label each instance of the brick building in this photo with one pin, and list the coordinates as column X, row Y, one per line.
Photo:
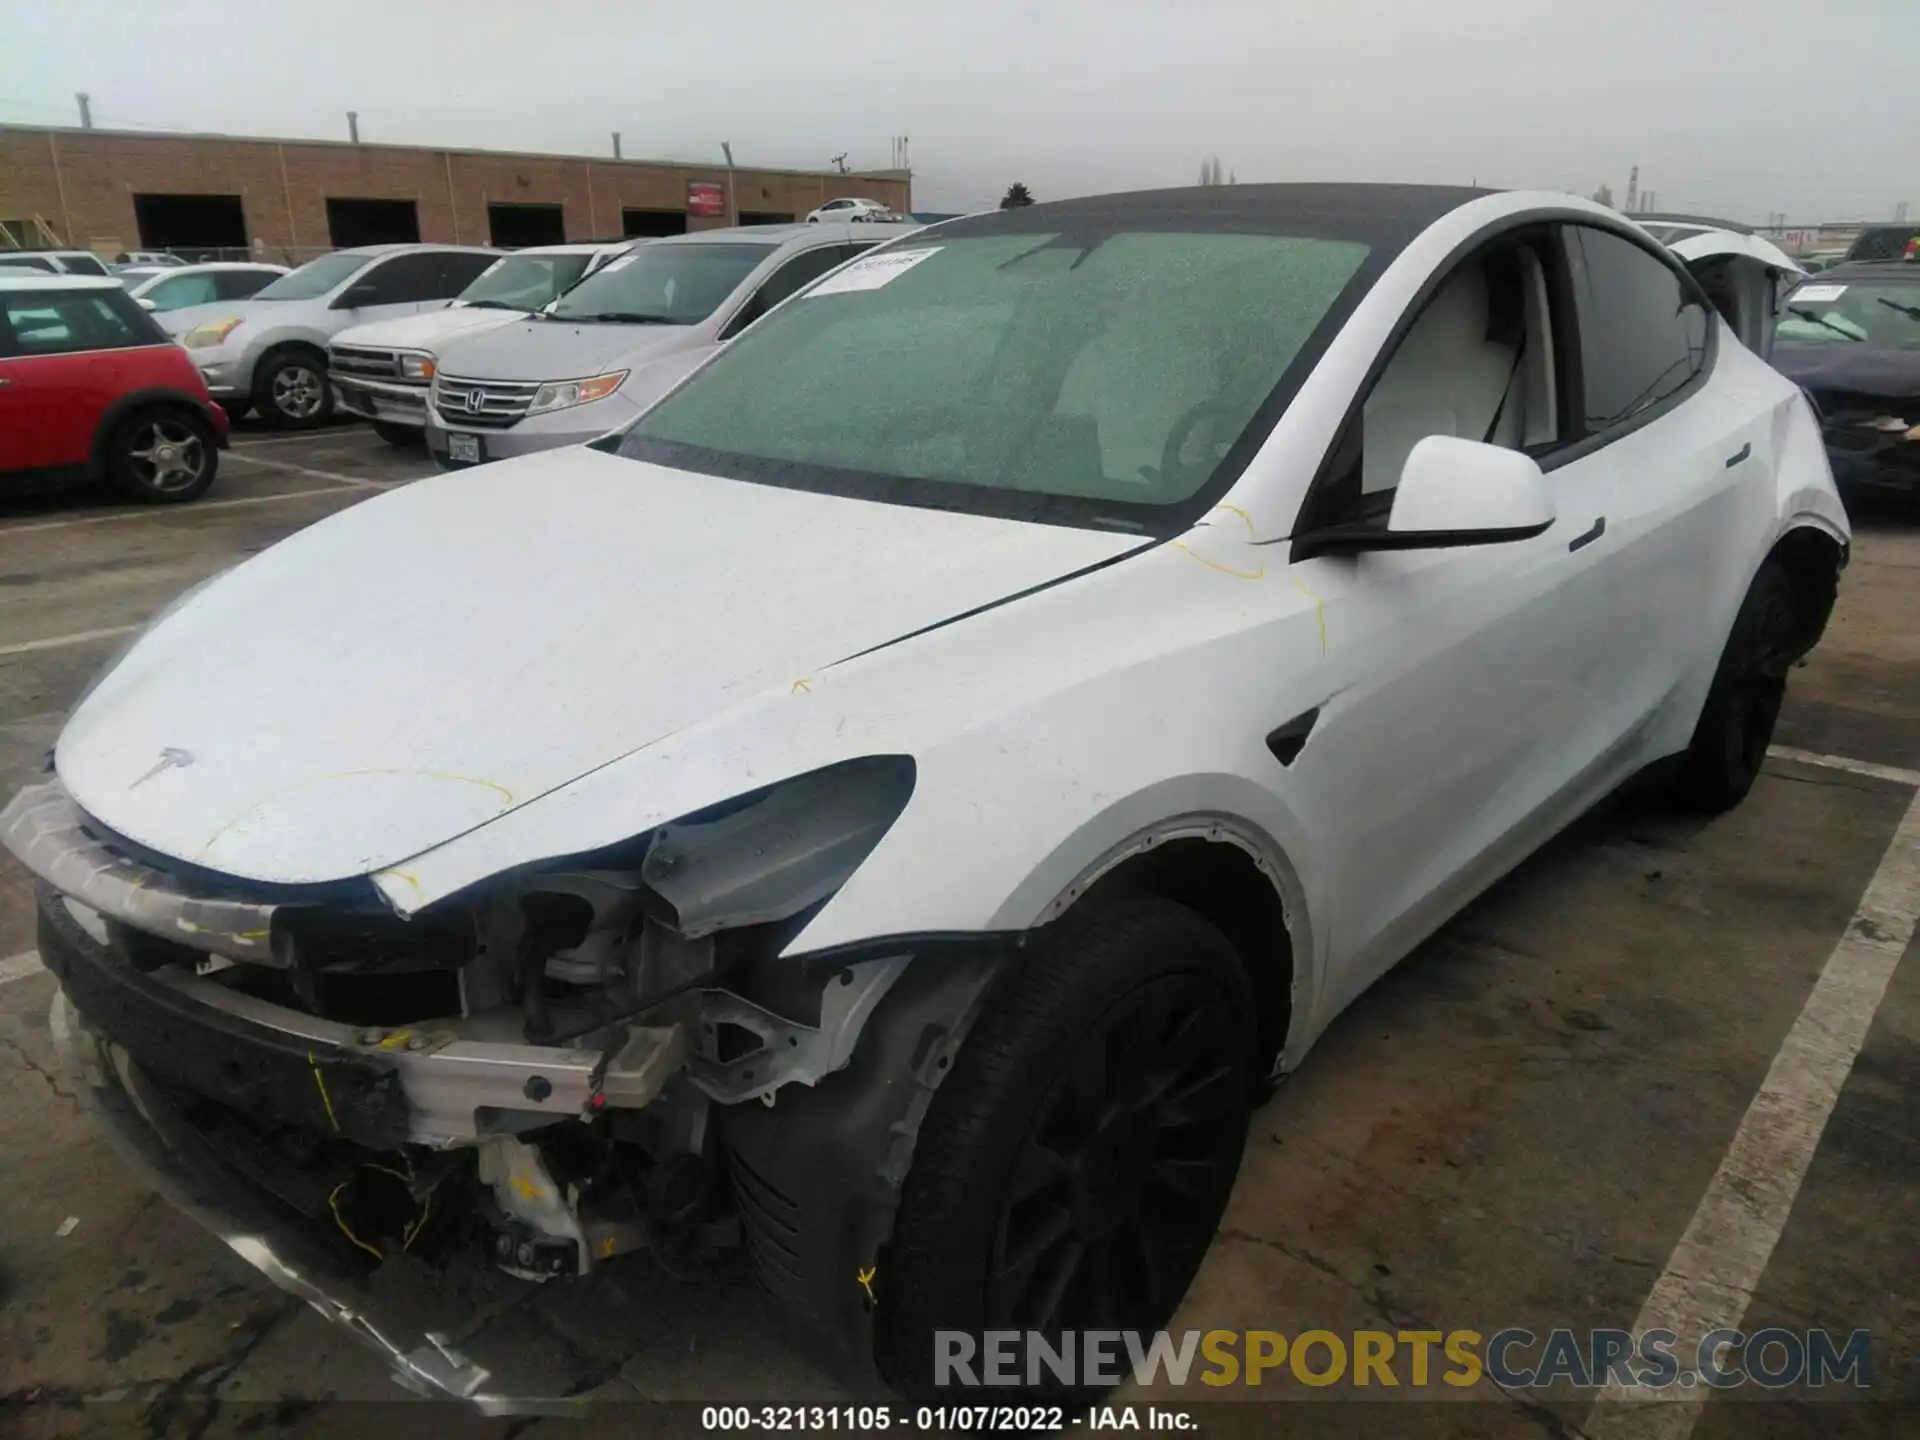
column 112, row 190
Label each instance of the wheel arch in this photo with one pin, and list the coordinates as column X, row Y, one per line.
column 1237, row 880
column 1813, row 559
column 125, row 407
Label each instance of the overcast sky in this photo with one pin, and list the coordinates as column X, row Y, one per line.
column 1734, row 107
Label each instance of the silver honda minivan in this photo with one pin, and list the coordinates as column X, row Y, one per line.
column 601, row 353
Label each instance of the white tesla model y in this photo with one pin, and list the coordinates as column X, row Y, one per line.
column 912, row 787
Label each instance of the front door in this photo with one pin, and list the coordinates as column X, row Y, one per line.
column 1459, row 722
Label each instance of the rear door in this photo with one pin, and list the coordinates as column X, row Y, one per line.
column 1659, row 393
column 1745, row 277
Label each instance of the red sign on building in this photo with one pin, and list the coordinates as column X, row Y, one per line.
column 704, row 197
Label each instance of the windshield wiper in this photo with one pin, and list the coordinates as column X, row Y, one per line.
column 1800, row 312
column 491, row 305
column 619, row 317
column 1912, row 312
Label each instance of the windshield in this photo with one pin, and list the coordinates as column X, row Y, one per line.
column 316, row 277
column 1880, row 316
column 661, row 284
column 524, row 282
column 1112, row 373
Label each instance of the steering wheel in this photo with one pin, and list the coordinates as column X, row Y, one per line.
column 1180, row 474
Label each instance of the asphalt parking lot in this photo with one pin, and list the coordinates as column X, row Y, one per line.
column 1547, row 1117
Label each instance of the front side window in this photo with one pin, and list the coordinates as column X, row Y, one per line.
column 524, row 282
column 243, row 284
column 1097, row 377
column 454, row 271
column 64, row 322
column 315, row 278
column 1878, row 315
column 1643, row 333
column 181, row 291
column 798, row 273
column 661, row 285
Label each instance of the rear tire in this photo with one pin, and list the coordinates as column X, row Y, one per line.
column 291, row 391
column 1736, row 724
column 406, row 437
column 163, row 456
column 1073, row 1167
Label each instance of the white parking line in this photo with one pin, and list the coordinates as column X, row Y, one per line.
column 1712, row 1274
column 305, row 437
column 56, row 642
column 1840, row 762
column 19, row 967
column 159, row 512
column 354, row 480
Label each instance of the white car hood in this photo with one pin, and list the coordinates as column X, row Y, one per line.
column 422, row 332
column 420, row 664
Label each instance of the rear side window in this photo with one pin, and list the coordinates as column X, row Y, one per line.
column 65, row 322
column 84, row 264
column 1643, row 335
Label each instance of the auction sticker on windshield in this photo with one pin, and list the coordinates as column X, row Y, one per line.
column 873, row 271
column 1817, row 293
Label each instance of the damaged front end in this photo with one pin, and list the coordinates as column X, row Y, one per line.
column 547, row 1071
column 1873, row 443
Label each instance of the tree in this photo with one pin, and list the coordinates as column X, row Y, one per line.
column 1017, row 195
column 1604, row 195
column 1212, row 173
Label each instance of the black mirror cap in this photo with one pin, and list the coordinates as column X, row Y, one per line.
column 1353, row 539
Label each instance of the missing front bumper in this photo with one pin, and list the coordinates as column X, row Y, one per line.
column 440, row 1084
column 429, row 1338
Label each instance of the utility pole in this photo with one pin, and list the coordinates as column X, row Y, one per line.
column 1633, row 190
column 733, row 208
column 616, row 144
column 86, row 110
column 353, row 126
column 1900, row 212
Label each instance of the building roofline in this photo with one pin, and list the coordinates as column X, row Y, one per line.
column 717, row 166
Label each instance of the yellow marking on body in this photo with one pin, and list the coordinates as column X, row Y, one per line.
column 606, row 1248
column 804, row 685
column 1319, row 610
column 1259, row 574
column 865, row 1277
column 1245, row 518
column 333, row 1204
column 402, row 875
column 395, row 1041
column 525, row 1188
column 325, row 1099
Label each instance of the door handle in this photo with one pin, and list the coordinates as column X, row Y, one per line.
column 1579, row 541
column 1741, row 454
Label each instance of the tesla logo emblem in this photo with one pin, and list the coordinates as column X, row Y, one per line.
column 170, row 759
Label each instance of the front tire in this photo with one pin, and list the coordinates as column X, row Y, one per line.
column 291, row 391
column 1736, row 724
column 162, row 457
column 1072, row 1169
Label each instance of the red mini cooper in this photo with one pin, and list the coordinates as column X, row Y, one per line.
column 92, row 389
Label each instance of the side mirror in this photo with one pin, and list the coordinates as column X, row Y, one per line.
column 354, row 296
column 1452, row 492
column 144, row 303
